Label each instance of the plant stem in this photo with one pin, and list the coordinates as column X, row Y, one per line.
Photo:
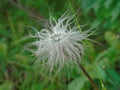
column 88, row 76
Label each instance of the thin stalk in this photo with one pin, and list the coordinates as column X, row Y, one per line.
column 12, row 28
column 73, row 11
column 88, row 76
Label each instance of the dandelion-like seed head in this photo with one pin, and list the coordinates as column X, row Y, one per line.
column 58, row 44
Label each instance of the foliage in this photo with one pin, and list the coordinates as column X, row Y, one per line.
column 102, row 61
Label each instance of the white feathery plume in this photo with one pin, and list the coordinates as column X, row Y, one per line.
column 59, row 43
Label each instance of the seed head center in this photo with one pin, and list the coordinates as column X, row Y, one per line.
column 57, row 36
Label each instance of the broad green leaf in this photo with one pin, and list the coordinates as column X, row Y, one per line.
column 99, row 72
column 113, row 77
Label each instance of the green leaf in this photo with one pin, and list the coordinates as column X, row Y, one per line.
column 6, row 86
column 52, row 87
column 87, row 5
column 90, row 50
column 97, row 5
column 78, row 83
column 116, row 12
column 37, row 86
column 21, row 58
column 99, row 72
column 96, row 22
column 108, row 3
column 3, row 48
column 113, row 77
column 110, row 37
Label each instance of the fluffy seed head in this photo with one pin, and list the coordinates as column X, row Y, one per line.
column 58, row 44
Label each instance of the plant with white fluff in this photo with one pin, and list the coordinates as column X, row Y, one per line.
column 59, row 44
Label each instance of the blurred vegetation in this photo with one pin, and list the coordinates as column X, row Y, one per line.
column 101, row 61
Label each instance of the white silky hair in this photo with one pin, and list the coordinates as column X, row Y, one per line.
column 58, row 44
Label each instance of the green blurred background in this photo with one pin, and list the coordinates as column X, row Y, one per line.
column 102, row 61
